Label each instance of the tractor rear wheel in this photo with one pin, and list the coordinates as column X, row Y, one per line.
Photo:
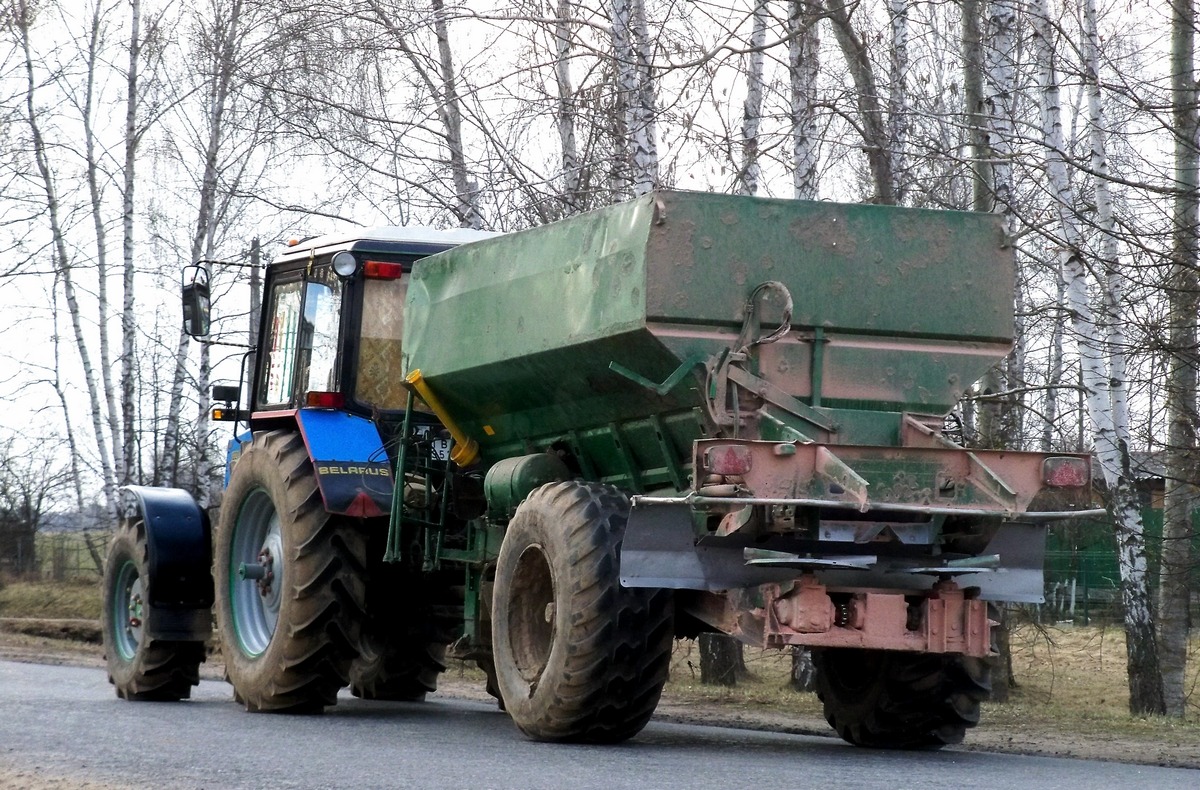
column 891, row 700
column 578, row 657
column 289, row 578
column 141, row 668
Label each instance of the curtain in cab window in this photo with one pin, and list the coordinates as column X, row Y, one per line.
column 380, row 367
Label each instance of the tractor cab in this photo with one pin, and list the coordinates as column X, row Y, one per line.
column 327, row 362
column 331, row 325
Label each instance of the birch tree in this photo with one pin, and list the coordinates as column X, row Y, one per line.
column 635, row 89
column 93, row 46
column 898, row 110
column 803, row 67
column 749, row 171
column 567, row 110
column 133, row 134
column 1111, row 445
column 21, row 15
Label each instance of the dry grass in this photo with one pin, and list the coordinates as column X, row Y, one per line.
column 765, row 686
column 51, row 600
column 1077, row 674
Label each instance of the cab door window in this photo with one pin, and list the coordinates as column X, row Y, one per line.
column 303, row 334
column 283, row 325
column 319, row 336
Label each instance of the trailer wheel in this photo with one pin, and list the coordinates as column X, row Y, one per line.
column 578, row 657
column 139, row 667
column 891, row 700
column 290, row 587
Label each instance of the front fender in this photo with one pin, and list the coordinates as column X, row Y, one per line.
column 178, row 536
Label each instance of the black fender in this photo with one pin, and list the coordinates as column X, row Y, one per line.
column 179, row 561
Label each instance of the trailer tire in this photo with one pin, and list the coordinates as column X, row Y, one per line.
column 578, row 657
column 886, row 699
column 141, row 668
column 287, row 639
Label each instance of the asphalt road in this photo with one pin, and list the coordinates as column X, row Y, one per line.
column 64, row 724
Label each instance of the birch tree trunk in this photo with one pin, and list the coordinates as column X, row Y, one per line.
column 95, row 194
column 997, row 419
column 1174, row 590
column 1000, row 78
column 61, row 393
column 635, row 87
column 22, row 19
column 1111, row 447
column 568, row 111
column 465, row 188
column 973, row 105
column 803, row 65
column 126, row 456
column 748, row 172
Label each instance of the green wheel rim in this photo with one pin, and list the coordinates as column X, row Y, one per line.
column 129, row 611
column 256, row 548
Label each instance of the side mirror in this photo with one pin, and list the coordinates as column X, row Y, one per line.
column 196, row 301
column 226, row 393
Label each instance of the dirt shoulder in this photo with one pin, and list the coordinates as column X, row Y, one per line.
column 1004, row 728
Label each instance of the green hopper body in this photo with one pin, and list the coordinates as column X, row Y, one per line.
column 569, row 332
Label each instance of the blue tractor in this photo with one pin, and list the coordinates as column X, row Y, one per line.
column 308, row 491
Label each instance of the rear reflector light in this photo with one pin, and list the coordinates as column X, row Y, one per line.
column 727, row 459
column 325, row 400
column 1065, row 472
column 380, row 270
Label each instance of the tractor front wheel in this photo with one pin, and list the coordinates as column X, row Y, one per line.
column 140, row 667
column 578, row 657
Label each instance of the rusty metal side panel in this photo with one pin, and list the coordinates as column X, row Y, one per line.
column 941, row 479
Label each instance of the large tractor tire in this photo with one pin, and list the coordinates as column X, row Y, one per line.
column 141, row 668
column 578, row 657
column 891, row 700
column 288, row 636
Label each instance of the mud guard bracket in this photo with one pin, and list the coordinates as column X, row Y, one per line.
column 660, row 549
column 179, row 561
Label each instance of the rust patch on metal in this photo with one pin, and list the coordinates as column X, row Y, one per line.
column 945, row 620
